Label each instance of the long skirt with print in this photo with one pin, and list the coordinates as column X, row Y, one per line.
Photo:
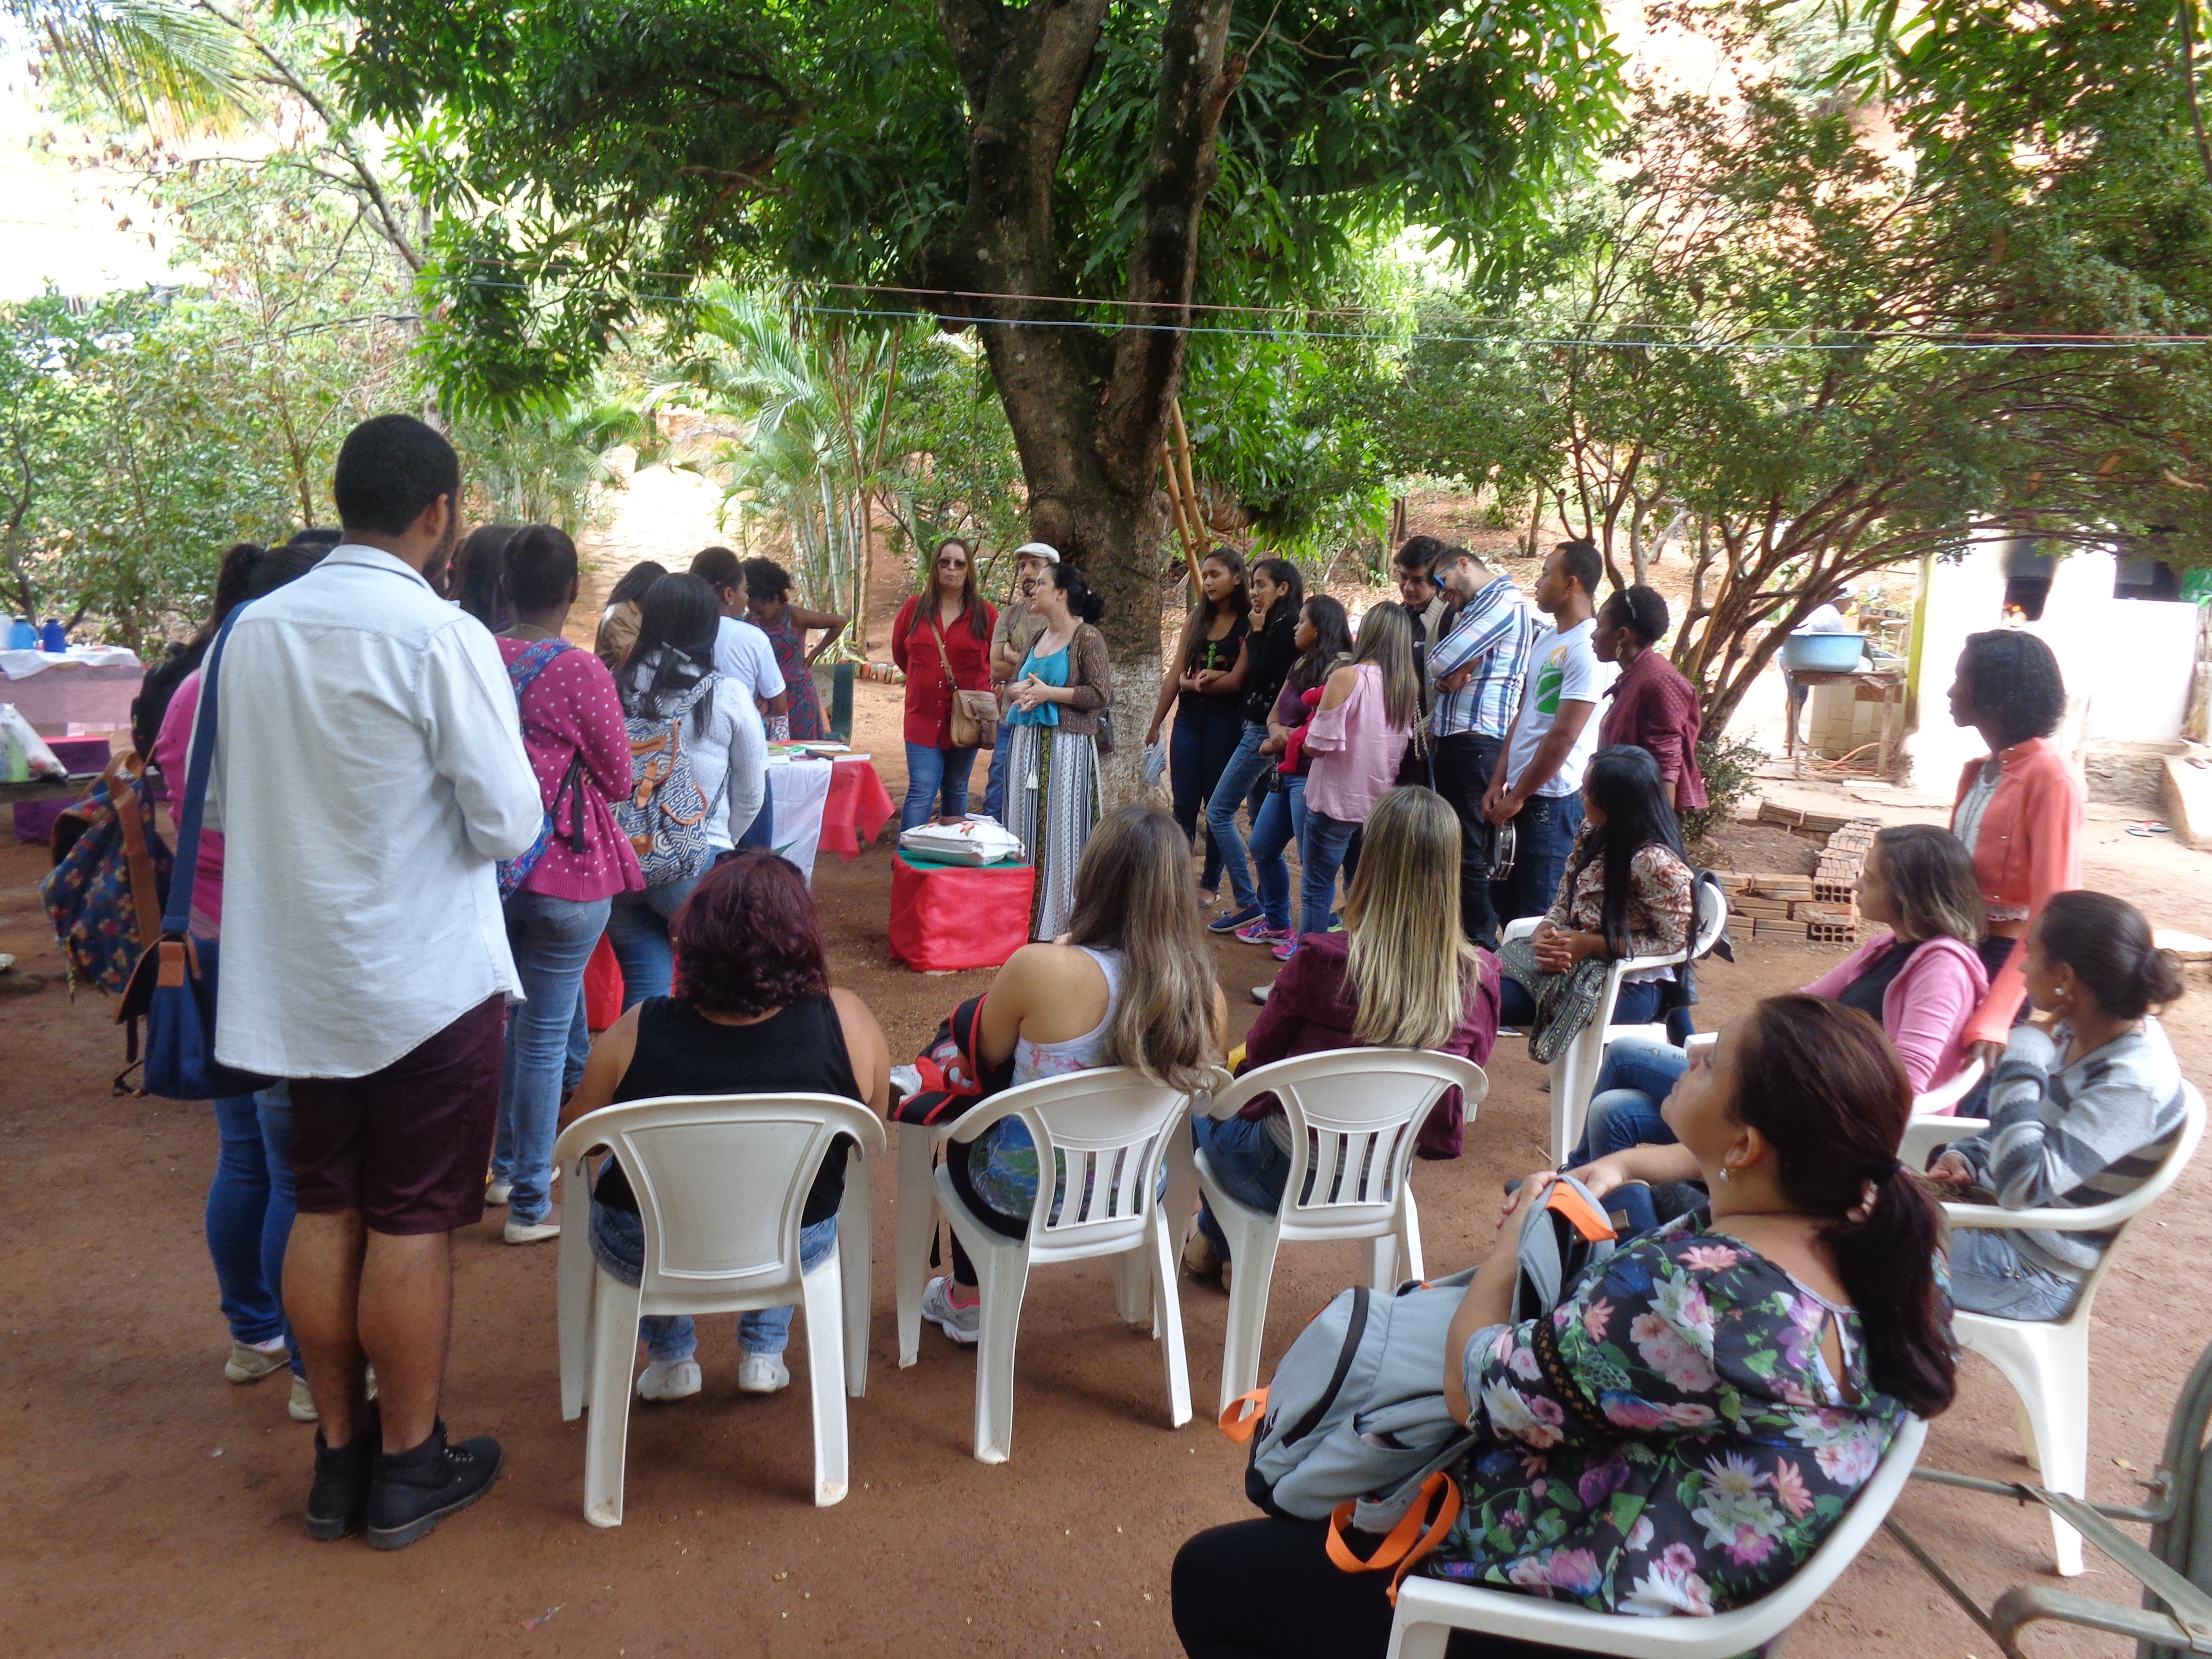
column 1052, row 807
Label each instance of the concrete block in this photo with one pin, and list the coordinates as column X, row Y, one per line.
column 2186, row 799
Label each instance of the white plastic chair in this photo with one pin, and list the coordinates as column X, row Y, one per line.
column 1354, row 1116
column 1429, row 1609
column 1932, row 1124
column 1101, row 1138
column 2047, row 1361
column 1574, row 1073
column 721, row 1182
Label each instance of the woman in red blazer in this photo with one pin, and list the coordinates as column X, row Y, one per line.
column 1401, row 976
column 2018, row 809
column 941, row 642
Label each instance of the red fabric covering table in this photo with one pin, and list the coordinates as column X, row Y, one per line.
column 945, row 917
column 858, row 807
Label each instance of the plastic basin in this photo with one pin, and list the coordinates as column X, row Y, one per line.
column 1822, row 654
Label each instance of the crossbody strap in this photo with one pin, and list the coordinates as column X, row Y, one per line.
column 180, row 917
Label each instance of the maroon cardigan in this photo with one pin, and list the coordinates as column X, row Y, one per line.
column 1311, row 1008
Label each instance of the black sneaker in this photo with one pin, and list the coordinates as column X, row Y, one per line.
column 337, row 1503
column 415, row 1490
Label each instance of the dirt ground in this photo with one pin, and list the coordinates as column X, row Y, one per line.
column 152, row 1510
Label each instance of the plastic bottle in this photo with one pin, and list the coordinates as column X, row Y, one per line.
column 22, row 634
column 53, row 637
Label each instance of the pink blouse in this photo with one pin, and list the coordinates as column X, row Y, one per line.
column 572, row 708
column 1355, row 752
column 172, row 749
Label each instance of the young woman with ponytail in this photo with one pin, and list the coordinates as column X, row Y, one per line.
column 2083, row 1107
column 1051, row 733
column 1682, row 1432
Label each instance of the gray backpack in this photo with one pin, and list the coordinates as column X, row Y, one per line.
column 1353, row 1428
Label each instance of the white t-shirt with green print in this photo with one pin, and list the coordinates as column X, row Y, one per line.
column 1562, row 668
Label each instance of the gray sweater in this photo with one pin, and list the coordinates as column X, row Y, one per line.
column 2071, row 1138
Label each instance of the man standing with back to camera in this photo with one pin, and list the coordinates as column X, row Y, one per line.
column 368, row 770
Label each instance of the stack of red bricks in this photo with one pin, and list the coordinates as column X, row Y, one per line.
column 1821, row 908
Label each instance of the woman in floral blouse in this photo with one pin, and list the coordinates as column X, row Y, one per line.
column 1627, row 891
column 1684, row 1430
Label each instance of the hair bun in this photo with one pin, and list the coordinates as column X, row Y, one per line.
column 2158, row 977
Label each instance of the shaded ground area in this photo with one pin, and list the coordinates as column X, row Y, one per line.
column 152, row 1510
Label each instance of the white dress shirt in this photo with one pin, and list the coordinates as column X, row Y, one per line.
column 743, row 653
column 368, row 770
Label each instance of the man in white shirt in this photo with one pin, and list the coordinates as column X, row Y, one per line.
column 368, row 770
column 743, row 653
column 1537, row 786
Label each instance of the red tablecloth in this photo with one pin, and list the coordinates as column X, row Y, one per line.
column 947, row 917
column 858, row 808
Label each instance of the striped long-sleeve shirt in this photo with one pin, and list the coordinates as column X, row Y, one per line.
column 1493, row 631
column 2071, row 1137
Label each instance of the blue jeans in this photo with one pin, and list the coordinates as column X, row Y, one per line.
column 618, row 1244
column 994, row 784
column 1321, row 846
column 1637, row 1075
column 249, row 1219
column 1247, row 766
column 552, row 939
column 1205, row 736
column 1636, row 1004
column 935, row 777
column 1246, row 1160
column 637, row 927
column 273, row 1106
column 760, row 832
column 1282, row 820
column 1544, row 836
column 1988, row 1275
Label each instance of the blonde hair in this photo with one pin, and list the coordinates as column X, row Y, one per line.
column 1386, row 639
column 1132, row 894
column 1410, row 965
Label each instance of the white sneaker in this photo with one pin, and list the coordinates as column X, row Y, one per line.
column 531, row 1232
column 250, row 1362
column 963, row 1325
column 1261, row 992
column 498, row 1193
column 300, row 1408
column 762, row 1373
column 672, row 1379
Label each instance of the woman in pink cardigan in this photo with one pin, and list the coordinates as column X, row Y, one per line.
column 1922, row 982
column 2019, row 808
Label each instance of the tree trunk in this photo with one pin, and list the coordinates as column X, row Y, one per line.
column 1087, row 409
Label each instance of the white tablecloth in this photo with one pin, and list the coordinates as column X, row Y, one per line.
column 800, row 787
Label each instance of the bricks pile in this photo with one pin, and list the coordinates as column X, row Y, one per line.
column 1821, row 908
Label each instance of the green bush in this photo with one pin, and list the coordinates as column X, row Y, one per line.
column 1727, row 764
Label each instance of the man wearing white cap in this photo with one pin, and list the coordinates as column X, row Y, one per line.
column 1017, row 630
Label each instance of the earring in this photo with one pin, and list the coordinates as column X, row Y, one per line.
column 1724, row 1172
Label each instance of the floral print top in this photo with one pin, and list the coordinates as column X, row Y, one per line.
column 1733, row 1454
column 1661, row 903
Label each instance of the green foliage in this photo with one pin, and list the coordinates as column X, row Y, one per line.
column 135, row 455
column 591, row 164
column 166, row 65
column 1728, row 766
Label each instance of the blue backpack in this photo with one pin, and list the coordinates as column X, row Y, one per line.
column 521, row 673
column 666, row 816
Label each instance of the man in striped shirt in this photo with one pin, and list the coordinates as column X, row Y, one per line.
column 1476, row 668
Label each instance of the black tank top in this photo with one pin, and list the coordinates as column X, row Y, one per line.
column 799, row 1049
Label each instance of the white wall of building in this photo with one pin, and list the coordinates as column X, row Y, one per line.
column 2127, row 662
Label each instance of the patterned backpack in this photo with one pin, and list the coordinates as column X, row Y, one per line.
column 666, row 816
column 111, row 878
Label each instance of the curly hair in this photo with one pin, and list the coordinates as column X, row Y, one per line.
column 748, row 940
column 1642, row 611
column 2014, row 677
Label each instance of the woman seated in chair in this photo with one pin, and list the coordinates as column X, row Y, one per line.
column 753, row 1013
column 1130, row 983
column 2084, row 1107
column 1922, row 978
column 1689, row 1423
column 1627, row 891
column 1401, row 976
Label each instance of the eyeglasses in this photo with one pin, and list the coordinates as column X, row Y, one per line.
column 952, row 564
